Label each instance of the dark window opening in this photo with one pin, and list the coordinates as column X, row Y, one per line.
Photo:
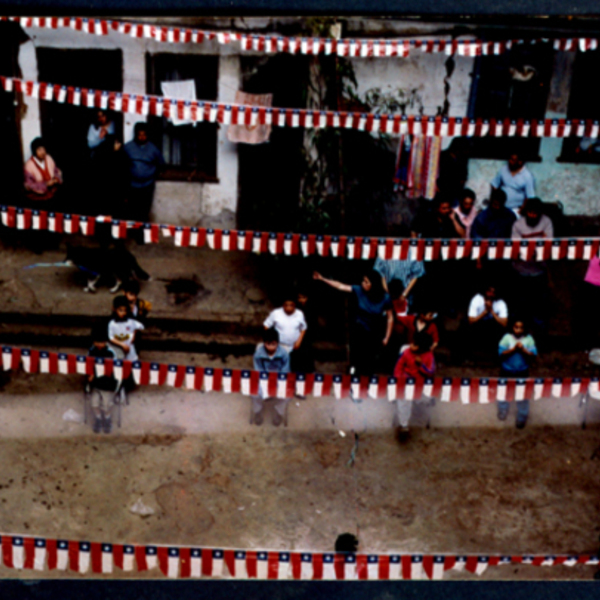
column 190, row 151
column 513, row 85
column 583, row 104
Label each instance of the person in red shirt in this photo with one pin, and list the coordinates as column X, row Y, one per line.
column 421, row 322
column 416, row 362
column 42, row 176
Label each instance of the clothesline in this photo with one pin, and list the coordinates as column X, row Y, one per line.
column 466, row 390
column 271, row 43
column 303, row 244
column 235, row 114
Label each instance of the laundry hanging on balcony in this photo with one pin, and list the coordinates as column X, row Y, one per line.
column 251, row 132
column 417, row 166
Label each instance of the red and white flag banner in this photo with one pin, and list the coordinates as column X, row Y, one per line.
column 270, row 43
column 256, row 116
column 294, row 244
column 42, row 554
column 319, row 385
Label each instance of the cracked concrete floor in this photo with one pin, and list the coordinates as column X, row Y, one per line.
column 447, row 490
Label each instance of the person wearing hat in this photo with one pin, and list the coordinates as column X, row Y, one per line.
column 42, row 177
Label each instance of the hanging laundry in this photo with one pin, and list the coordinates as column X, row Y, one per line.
column 417, row 166
column 252, row 132
column 181, row 90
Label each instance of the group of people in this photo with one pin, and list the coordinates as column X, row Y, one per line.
column 115, row 338
column 393, row 329
column 122, row 176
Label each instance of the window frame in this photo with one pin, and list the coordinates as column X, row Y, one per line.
column 568, row 151
column 493, row 148
column 161, row 126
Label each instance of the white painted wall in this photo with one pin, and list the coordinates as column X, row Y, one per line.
column 187, row 203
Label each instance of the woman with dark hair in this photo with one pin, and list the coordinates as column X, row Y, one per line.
column 99, row 130
column 372, row 323
column 42, row 176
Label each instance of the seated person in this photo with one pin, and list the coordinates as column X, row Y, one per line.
column 122, row 329
column 102, row 403
column 270, row 357
column 42, row 177
column 436, row 222
column 138, row 308
column 487, row 319
column 496, row 221
column 464, row 214
column 417, row 362
column 289, row 323
column 516, row 180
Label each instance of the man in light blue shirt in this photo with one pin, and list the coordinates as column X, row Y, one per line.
column 517, row 182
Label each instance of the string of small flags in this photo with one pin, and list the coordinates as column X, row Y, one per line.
column 237, row 114
column 302, row 244
column 347, row 47
column 466, row 390
column 44, row 554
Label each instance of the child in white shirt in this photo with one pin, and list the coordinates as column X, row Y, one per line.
column 122, row 329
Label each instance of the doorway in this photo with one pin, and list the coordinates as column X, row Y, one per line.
column 65, row 127
column 269, row 174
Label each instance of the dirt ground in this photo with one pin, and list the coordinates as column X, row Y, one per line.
column 465, row 485
column 445, row 491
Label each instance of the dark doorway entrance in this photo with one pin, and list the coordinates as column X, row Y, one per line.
column 270, row 173
column 11, row 163
column 65, row 127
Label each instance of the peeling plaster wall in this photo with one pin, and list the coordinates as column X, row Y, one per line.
column 424, row 72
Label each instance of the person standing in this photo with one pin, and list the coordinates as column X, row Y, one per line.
column 415, row 362
column 517, row 350
column 487, row 319
column 531, row 289
column 99, row 130
column 517, row 182
column 145, row 162
column 407, row 271
column 372, row 323
column 270, row 357
column 290, row 324
column 42, row 177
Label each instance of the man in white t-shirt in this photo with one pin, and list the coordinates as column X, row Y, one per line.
column 488, row 317
column 289, row 323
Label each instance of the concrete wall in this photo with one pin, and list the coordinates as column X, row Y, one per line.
column 187, row 203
